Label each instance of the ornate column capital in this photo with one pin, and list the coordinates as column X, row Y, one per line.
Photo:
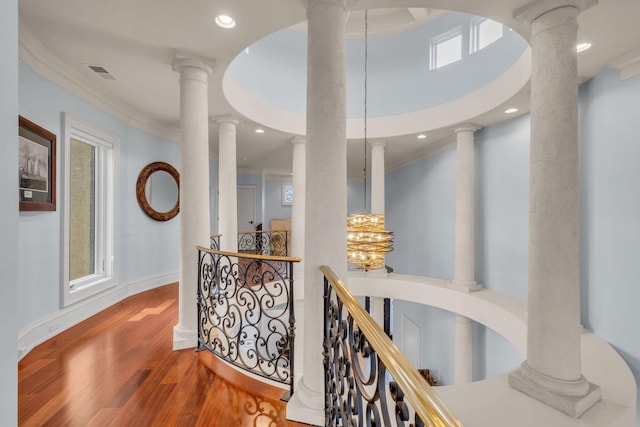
column 377, row 143
column 183, row 59
column 225, row 118
column 298, row 140
column 535, row 9
column 467, row 127
column 310, row 4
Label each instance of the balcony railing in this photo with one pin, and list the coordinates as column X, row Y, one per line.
column 265, row 242
column 245, row 311
column 215, row 242
column 368, row 381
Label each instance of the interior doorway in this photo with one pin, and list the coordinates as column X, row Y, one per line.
column 246, row 208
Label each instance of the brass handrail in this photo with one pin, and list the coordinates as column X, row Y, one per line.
column 251, row 256
column 417, row 391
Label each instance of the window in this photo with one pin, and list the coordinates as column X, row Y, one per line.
column 89, row 187
column 445, row 49
column 483, row 32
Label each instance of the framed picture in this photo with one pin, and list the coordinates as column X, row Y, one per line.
column 287, row 194
column 36, row 167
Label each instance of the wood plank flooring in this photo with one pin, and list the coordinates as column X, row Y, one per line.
column 118, row 368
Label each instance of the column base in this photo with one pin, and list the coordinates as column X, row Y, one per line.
column 566, row 402
column 306, row 406
column 184, row 337
column 466, row 287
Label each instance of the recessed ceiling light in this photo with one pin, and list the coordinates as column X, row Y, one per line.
column 510, row 110
column 421, row 136
column 225, row 21
column 581, row 47
column 259, row 130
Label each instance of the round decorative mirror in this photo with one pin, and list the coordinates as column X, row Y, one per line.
column 158, row 191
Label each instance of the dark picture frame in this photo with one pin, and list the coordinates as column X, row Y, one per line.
column 36, row 167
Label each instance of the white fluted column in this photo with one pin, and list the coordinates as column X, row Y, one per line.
column 552, row 372
column 326, row 191
column 297, row 245
column 194, row 188
column 377, row 207
column 227, row 183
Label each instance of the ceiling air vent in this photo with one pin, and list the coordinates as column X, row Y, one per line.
column 101, row 71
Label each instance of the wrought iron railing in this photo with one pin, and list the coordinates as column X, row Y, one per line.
column 368, row 381
column 215, row 241
column 265, row 242
column 245, row 311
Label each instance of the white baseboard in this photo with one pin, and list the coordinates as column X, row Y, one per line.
column 49, row 326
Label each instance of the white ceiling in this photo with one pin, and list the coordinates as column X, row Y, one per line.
column 135, row 41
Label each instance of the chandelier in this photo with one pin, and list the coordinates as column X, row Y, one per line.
column 367, row 240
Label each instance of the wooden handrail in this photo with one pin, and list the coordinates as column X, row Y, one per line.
column 262, row 231
column 251, row 256
column 417, row 391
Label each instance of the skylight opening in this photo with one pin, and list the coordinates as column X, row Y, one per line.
column 483, row 32
column 445, row 49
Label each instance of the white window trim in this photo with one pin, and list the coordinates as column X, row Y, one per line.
column 441, row 38
column 106, row 264
column 474, row 34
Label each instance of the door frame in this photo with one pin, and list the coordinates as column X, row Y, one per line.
column 254, row 190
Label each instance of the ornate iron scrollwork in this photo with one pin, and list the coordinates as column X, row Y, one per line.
column 358, row 388
column 245, row 313
column 215, row 242
column 264, row 242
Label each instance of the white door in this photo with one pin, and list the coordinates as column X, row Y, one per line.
column 246, row 207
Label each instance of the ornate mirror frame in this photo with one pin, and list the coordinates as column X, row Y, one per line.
column 141, row 186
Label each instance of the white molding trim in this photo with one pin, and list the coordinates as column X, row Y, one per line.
column 279, row 176
column 41, row 60
column 628, row 64
column 435, row 147
column 50, row 325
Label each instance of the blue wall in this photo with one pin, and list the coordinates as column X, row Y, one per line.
column 610, row 208
column 144, row 247
column 502, row 206
column 274, row 209
column 420, row 200
column 9, row 212
column 420, row 209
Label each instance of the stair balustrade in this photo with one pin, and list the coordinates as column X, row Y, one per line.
column 368, row 381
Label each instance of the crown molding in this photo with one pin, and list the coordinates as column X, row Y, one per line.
column 41, row 60
column 435, row 147
column 628, row 64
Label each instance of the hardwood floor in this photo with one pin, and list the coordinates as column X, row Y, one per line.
column 117, row 368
